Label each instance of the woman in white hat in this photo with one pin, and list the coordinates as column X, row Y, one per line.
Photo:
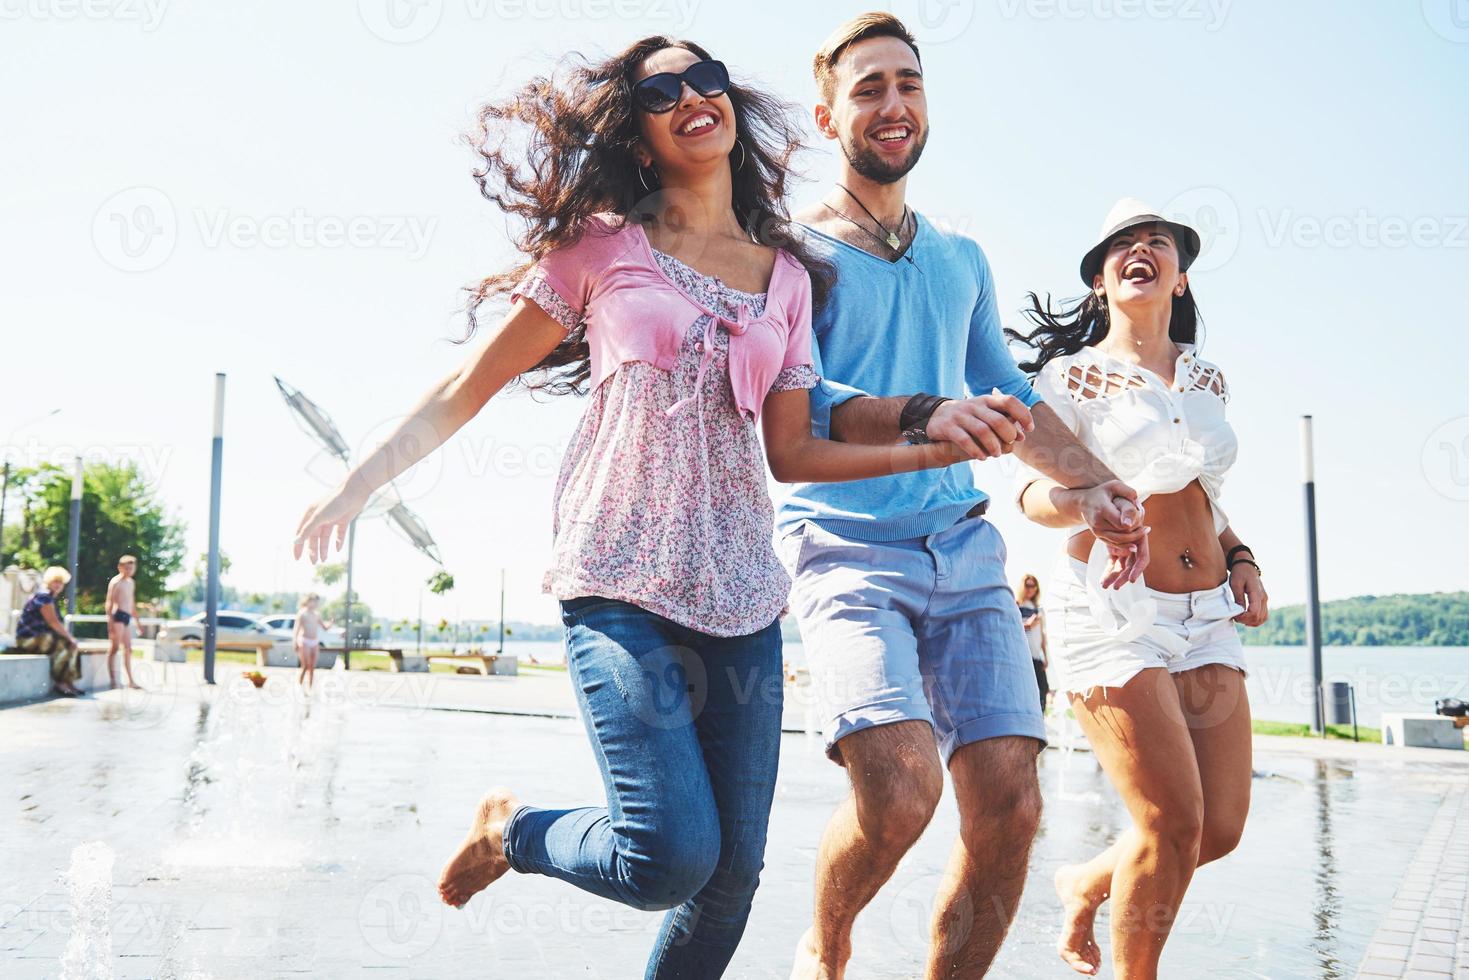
column 1154, row 670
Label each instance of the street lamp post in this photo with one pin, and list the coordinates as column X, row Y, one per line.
column 1313, row 590
column 73, row 547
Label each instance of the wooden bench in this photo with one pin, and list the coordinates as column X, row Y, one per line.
column 490, row 664
column 262, row 650
column 395, row 654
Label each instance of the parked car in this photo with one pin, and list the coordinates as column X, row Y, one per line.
column 284, row 626
column 241, row 630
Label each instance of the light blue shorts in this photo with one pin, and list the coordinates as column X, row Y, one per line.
column 923, row 629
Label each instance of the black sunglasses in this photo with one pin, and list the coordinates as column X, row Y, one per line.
column 659, row 93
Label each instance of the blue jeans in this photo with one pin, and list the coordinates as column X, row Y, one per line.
column 686, row 727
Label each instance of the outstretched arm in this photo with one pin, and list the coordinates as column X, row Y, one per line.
column 522, row 339
column 796, row 456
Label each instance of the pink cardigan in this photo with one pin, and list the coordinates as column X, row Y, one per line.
column 633, row 312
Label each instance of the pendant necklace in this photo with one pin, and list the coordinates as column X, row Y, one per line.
column 892, row 239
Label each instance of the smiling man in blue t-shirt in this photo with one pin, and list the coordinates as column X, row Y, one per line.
column 915, row 646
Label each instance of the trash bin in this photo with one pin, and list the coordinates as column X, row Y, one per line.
column 1339, row 703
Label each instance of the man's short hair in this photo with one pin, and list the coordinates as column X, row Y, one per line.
column 878, row 23
column 127, row 560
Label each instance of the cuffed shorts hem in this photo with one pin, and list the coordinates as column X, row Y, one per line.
column 1022, row 724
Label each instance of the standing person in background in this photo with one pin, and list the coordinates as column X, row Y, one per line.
column 41, row 630
column 1154, row 671
column 120, row 609
column 1028, row 599
column 309, row 627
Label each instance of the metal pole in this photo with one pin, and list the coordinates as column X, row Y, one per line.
column 1313, row 590
column 347, row 610
column 502, row 610
column 4, row 492
column 73, row 548
column 419, row 651
column 211, row 588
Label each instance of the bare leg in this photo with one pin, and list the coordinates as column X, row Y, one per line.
column 1217, row 712
column 999, row 811
column 1140, row 737
column 125, row 634
column 480, row 860
column 897, row 780
column 300, row 663
column 112, row 644
column 309, row 664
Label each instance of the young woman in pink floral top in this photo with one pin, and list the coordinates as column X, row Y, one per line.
column 662, row 277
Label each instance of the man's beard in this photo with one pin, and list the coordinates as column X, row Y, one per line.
column 868, row 164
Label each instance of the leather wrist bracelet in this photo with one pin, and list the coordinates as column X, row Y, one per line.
column 1229, row 558
column 913, row 420
column 1245, row 561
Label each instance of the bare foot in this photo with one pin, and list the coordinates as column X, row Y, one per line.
column 808, row 965
column 481, row 858
column 134, row 686
column 1078, row 942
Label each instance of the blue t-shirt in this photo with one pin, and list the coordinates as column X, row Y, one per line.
column 32, row 622
column 898, row 328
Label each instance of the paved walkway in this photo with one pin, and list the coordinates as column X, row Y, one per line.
column 1425, row 933
column 254, row 835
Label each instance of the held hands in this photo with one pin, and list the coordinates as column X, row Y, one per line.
column 1111, row 512
column 1244, row 582
column 335, row 511
column 985, row 427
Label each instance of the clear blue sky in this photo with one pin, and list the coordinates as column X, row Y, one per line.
column 306, row 210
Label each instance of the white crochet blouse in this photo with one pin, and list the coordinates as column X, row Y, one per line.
column 1157, row 438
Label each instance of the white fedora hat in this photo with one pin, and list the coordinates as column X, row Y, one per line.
column 1129, row 213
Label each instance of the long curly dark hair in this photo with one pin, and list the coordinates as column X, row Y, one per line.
column 561, row 149
column 1073, row 324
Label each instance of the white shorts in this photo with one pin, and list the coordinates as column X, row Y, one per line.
column 1203, row 620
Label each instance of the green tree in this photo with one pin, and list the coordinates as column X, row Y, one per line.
column 329, row 575
column 120, row 515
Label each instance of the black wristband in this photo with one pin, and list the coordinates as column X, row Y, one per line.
column 918, row 410
column 1245, row 561
column 1229, row 558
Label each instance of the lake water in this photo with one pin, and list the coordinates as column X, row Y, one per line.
column 1386, row 679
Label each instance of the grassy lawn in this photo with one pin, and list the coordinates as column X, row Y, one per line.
column 1304, row 730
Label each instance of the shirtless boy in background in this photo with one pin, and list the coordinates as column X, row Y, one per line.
column 120, row 611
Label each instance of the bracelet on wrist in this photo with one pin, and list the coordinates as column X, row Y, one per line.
column 1229, row 557
column 1245, row 561
column 913, row 420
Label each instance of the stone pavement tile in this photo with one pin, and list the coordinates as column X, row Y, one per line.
column 1384, row 951
column 1423, row 961
column 1382, row 968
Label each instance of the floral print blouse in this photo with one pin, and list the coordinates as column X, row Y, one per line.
column 661, row 499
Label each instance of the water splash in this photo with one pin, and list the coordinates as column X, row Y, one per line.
column 88, row 954
column 249, row 774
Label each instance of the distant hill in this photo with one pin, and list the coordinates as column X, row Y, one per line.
column 1437, row 619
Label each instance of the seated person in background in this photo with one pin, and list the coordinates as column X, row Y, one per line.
column 41, row 630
